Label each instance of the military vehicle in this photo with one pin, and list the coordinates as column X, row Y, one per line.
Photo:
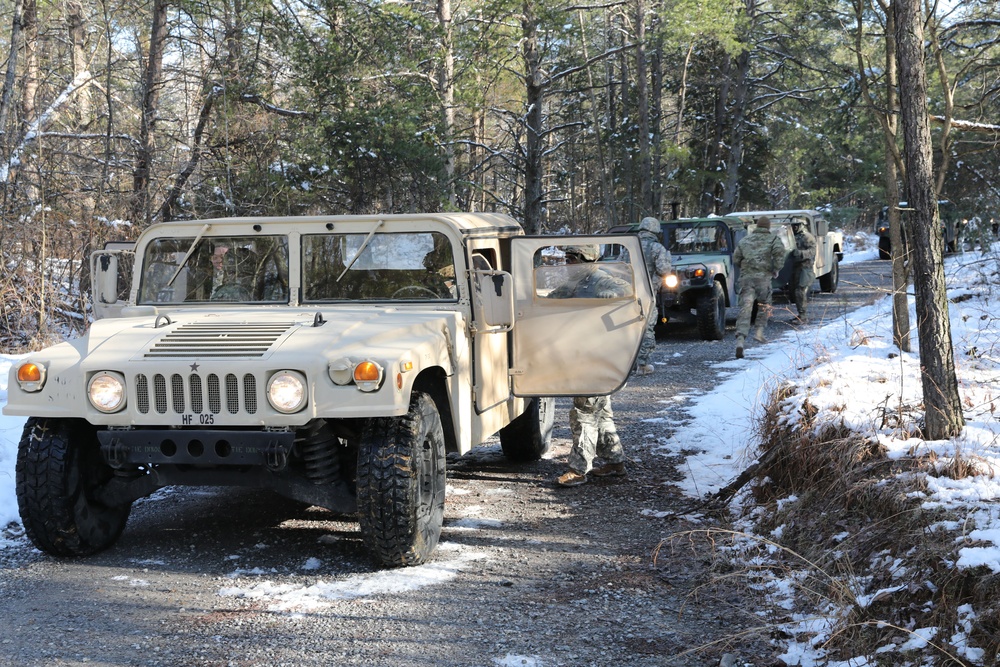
column 334, row 360
column 703, row 283
column 951, row 228
column 829, row 245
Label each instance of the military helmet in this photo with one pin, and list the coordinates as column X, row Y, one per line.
column 587, row 253
column 650, row 224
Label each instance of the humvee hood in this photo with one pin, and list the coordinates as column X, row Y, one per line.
column 248, row 335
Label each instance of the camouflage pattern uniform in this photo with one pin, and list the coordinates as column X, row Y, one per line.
column 759, row 257
column 658, row 264
column 594, row 434
column 591, row 418
column 805, row 266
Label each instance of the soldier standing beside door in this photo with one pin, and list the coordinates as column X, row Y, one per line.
column 658, row 265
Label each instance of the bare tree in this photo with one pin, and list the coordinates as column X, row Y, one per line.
column 887, row 114
column 943, row 410
column 141, row 212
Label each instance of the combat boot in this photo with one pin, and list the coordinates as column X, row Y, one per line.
column 572, row 478
column 739, row 347
column 758, row 335
column 609, row 470
column 645, row 369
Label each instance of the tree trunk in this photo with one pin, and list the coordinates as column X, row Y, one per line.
column 533, row 122
column 738, row 129
column 141, row 213
column 9, row 78
column 30, row 89
column 602, row 163
column 900, row 260
column 645, row 205
column 943, row 410
column 446, row 90
column 656, row 121
column 75, row 23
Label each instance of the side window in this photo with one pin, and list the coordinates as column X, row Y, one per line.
column 574, row 272
column 483, row 260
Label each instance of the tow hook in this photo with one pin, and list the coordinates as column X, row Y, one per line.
column 115, row 453
column 276, row 456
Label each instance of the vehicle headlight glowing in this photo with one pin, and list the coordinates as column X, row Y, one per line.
column 286, row 391
column 671, row 280
column 698, row 273
column 107, row 391
column 368, row 375
column 31, row 376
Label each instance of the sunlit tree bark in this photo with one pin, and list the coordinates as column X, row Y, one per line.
column 943, row 410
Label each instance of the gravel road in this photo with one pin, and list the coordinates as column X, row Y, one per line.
column 527, row 573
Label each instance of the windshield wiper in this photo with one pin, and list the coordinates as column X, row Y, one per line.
column 194, row 244
column 364, row 244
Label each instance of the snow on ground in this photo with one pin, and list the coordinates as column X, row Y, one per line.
column 848, row 368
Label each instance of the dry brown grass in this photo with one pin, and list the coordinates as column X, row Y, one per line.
column 842, row 520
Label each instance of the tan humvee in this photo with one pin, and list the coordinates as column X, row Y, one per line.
column 335, row 360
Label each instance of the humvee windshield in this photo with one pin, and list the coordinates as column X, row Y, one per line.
column 413, row 266
column 699, row 238
column 242, row 269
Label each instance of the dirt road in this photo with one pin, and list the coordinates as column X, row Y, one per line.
column 527, row 573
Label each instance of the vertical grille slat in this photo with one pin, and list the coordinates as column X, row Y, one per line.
column 142, row 394
column 214, row 398
column 197, row 404
column 177, row 391
column 160, row 393
column 250, row 393
column 232, row 394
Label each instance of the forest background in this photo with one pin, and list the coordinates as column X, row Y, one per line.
column 117, row 114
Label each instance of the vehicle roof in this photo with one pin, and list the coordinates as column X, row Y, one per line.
column 732, row 220
column 470, row 224
column 783, row 213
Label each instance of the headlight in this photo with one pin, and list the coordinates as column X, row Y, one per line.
column 368, row 375
column 671, row 281
column 31, row 376
column 286, row 391
column 107, row 391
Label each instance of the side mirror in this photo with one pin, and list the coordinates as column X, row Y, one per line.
column 106, row 280
column 494, row 298
column 110, row 274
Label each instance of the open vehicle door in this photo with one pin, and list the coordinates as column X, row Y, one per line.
column 580, row 342
column 111, row 277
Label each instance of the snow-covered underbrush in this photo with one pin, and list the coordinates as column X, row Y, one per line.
column 872, row 545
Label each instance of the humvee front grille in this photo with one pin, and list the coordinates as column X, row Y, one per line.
column 217, row 341
column 186, row 394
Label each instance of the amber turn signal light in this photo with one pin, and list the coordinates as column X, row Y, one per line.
column 29, row 372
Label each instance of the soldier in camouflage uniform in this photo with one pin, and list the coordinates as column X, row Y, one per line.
column 804, row 256
column 591, row 418
column 759, row 257
column 658, row 265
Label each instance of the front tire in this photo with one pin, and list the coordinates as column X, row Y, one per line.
column 711, row 311
column 529, row 436
column 59, row 473
column 829, row 281
column 401, row 483
column 884, row 247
